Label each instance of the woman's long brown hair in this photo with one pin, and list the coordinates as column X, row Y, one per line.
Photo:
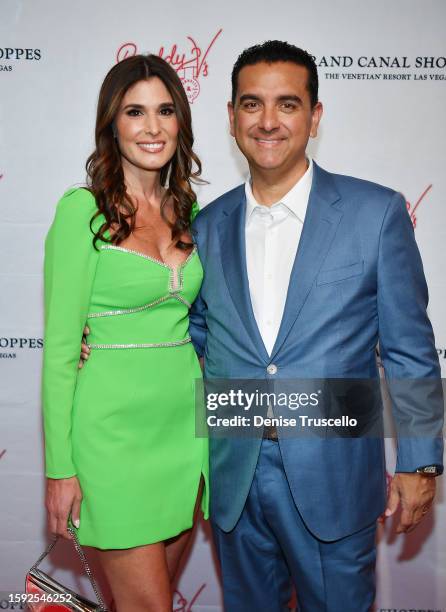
column 105, row 176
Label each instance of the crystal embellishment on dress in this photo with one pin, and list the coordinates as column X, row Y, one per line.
column 178, row 270
column 181, row 299
column 122, row 311
column 172, row 288
column 143, row 345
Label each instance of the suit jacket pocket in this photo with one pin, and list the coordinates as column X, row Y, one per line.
column 340, row 274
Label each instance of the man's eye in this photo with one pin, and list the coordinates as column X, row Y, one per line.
column 288, row 106
column 250, row 105
column 134, row 112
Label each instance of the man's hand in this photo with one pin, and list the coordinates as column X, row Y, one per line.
column 63, row 497
column 415, row 493
column 85, row 351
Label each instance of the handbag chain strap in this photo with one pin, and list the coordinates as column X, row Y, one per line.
column 84, row 561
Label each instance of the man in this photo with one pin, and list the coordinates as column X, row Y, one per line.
column 305, row 271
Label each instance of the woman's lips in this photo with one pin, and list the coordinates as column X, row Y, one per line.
column 151, row 147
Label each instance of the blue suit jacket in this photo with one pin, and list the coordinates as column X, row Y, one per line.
column 357, row 279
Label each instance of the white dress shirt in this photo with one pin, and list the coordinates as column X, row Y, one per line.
column 272, row 237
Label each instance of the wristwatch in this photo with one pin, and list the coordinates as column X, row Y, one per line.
column 430, row 470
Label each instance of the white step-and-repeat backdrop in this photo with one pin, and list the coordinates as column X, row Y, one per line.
column 383, row 83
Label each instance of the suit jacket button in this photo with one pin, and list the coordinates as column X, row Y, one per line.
column 271, row 369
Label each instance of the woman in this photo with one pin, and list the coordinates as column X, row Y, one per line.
column 122, row 460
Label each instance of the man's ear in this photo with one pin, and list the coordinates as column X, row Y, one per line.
column 231, row 115
column 316, row 116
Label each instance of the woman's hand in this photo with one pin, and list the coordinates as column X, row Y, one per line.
column 63, row 497
column 85, row 351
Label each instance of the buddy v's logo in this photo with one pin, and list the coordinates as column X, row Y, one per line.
column 190, row 63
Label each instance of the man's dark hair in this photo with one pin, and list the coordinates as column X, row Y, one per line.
column 272, row 51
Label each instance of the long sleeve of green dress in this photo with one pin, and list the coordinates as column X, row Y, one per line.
column 70, row 264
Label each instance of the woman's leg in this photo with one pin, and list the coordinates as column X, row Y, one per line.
column 175, row 547
column 138, row 578
column 174, row 551
column 146, row 574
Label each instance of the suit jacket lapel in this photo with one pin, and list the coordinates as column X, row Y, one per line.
column 233, row 258
column 321, row 222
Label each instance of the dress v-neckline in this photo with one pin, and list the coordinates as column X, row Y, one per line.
column 160, row 262
column 175, row 272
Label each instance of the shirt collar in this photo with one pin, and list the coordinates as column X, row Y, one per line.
column 296, row 200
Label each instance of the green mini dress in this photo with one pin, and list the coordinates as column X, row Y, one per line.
column 125, row 423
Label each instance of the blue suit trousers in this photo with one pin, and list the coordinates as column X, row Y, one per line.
column 270, row 549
